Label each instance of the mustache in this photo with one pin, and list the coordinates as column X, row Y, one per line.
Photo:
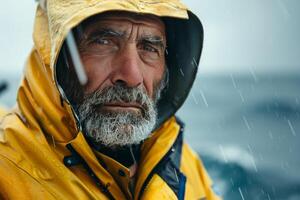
column 119, row 94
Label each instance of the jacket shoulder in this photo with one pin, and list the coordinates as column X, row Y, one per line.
column 15, row 183
column 20, row 144
column 18, row 173
column 198, row 184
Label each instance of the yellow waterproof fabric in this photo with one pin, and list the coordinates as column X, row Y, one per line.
column 34, row 136
column 2, row 112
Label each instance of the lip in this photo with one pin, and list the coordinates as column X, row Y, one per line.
column 123, row 105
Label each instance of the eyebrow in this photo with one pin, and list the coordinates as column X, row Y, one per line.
column 106, row 32
column 154, row 40
column 109, row 32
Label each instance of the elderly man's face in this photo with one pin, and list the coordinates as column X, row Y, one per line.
column 124, row 48
column 124, row 58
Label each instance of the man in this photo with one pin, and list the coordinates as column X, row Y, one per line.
column 114, row 136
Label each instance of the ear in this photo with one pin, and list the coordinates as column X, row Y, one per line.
column 43, row 4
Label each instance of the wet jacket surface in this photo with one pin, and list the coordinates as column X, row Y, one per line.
column 43, row 155
column 2, row 112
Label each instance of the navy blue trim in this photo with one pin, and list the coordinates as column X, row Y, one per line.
column 181, row 192
column 169, row 167
column 168, row 170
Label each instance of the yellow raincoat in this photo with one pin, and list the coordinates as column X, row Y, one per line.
column 2, row 112
column 41, row 133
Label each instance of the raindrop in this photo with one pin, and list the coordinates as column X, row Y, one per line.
column 195, row 100
column 246, row 123
column 254, row 164
column 180, row 69
column 204, row 98
column 195, row 63
column 291, row 127
column 252, row 158
column 223, row 153
column 241, row 193
column 253, row 74
column 176, row 175
column 233, row 81
column 78, row 66
column 241, row 95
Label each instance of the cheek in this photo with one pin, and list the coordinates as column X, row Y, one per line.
column 152, row 77
column 97, row 71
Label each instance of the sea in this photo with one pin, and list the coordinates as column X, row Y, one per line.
column 244, row 127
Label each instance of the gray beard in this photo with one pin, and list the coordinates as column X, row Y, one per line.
column 116, row 129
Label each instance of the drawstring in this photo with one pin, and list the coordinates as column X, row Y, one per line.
column 132, row 155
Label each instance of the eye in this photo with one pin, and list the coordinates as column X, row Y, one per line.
column 149, row 48
column 102, row 41
column 150, row 52
column 99, row 45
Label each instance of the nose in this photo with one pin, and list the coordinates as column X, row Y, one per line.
column 127, row 67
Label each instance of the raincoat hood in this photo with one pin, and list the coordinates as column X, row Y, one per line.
column 42, row 99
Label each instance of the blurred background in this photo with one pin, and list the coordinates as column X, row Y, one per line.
column 243, row 114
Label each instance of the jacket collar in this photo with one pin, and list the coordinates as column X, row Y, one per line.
column 153, row 151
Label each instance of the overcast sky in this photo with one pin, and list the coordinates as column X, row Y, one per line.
column 240, row 35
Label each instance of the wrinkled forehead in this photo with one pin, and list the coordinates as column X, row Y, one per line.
column 123, row 21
